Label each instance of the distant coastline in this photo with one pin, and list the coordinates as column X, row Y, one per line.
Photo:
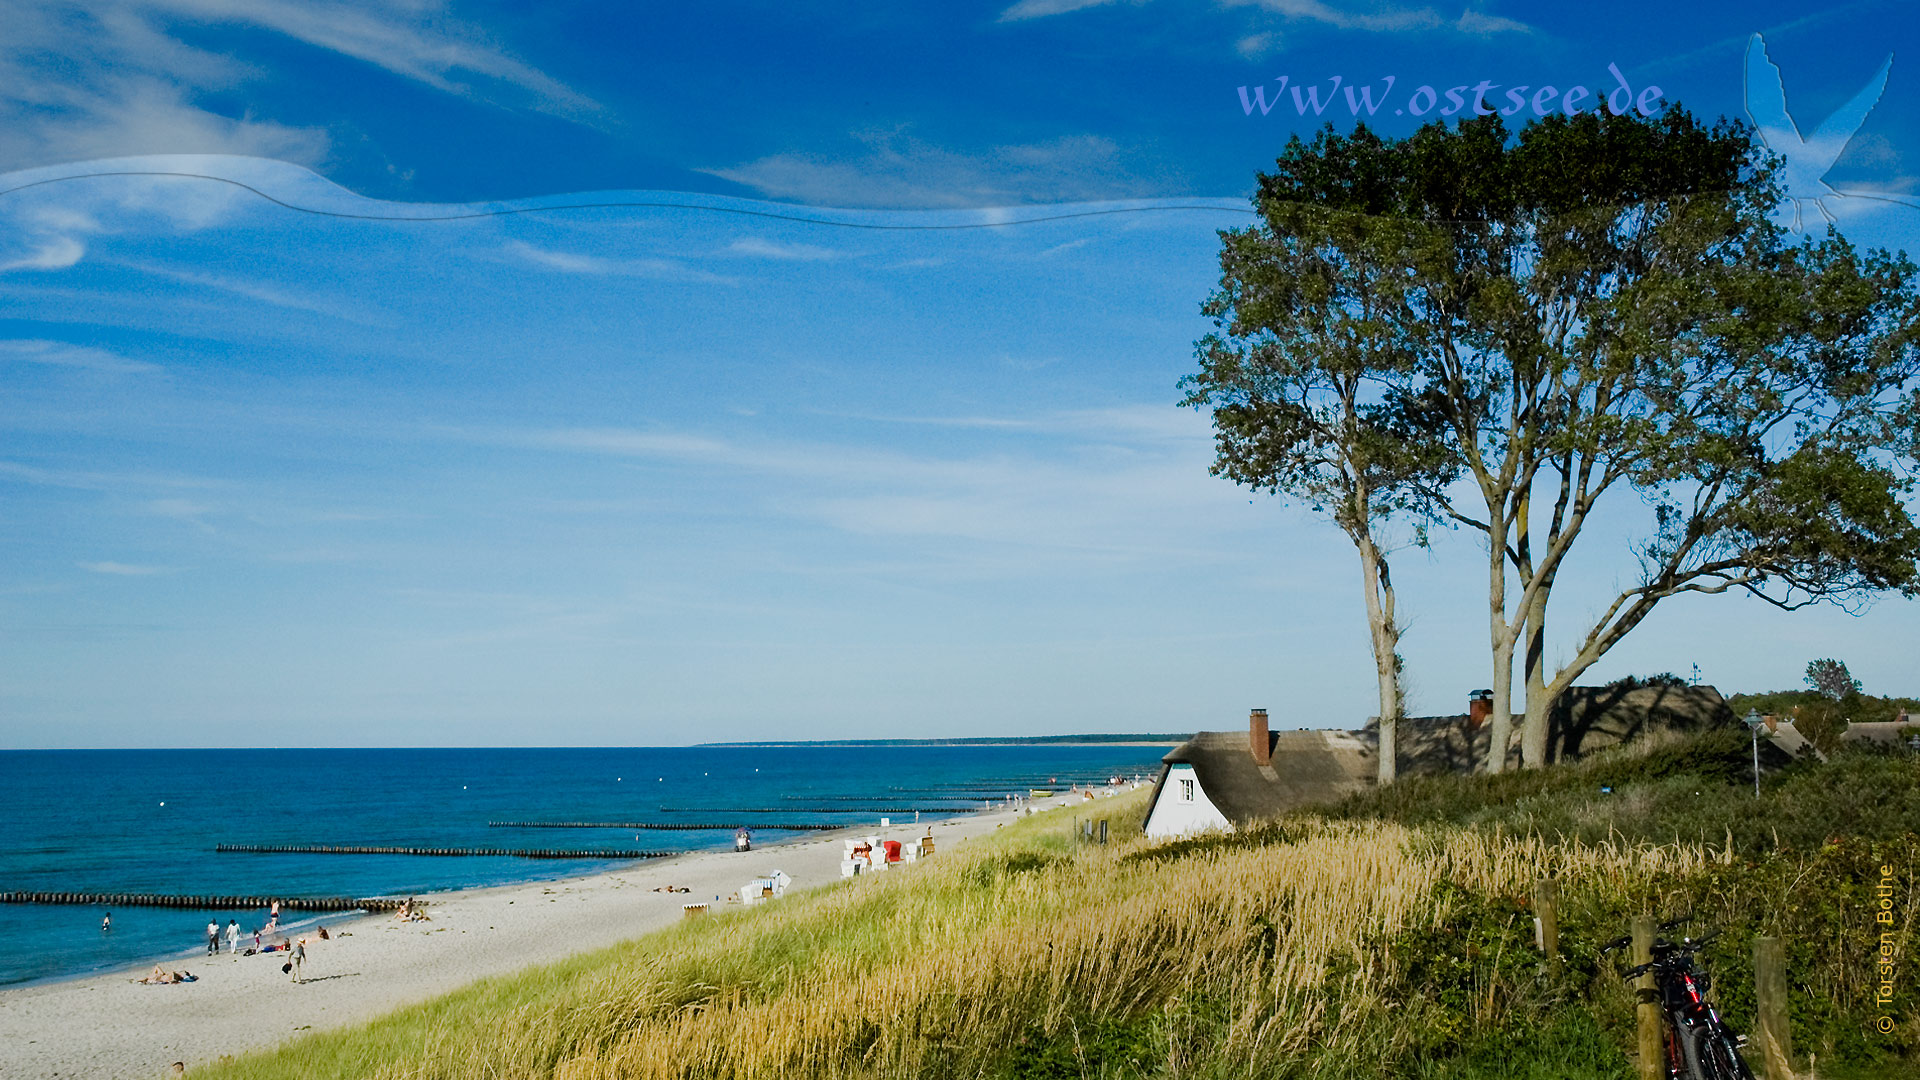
column 1029, row 740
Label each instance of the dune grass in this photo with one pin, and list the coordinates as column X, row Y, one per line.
column 1324, row 947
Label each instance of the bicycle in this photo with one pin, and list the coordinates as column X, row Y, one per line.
column 1699, row 1045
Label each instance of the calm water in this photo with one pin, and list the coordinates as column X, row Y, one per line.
column 130, row 821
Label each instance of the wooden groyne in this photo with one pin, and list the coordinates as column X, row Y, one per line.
column 968, row 807
column 882, row 798
column 522, row 853
column 666, row 826
column 222, row 903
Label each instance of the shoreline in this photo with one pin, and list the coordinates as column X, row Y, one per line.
column 104, row 1025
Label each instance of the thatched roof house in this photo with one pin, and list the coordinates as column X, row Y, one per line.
column 1229, row 779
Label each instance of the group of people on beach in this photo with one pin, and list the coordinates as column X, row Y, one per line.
column 160, row 976
column 266, row 939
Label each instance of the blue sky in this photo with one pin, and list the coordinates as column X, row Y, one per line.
column 667, row 474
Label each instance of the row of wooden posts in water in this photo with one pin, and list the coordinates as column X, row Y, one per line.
column 523, row 853
column 666, row 826
column 224, row 903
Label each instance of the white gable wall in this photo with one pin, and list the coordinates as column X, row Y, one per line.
column 1181, row 807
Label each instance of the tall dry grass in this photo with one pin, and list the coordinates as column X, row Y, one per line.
column 1084, row 959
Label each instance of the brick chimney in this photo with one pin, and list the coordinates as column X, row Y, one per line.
column 1479, row 707
column 1257, row 740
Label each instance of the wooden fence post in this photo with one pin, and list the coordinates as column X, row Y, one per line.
column 1774, row 1036
column 1546, row 920
column 1653, row 1053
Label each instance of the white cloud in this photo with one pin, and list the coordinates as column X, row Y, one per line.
column 413, row 39
column 1376, row 17
column 355, row 311
column 768, row 249
column 568, row 262
column 51, row 253
column 1484, row 25
column 120, row 569
column 114, row 79
column 1255, row 46
column 897, row 170
column 80, row 480
column 61, row 354
column 1039, row 9
column 185, row 511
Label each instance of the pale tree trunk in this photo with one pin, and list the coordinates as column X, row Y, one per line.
column 1500, row 724
column 1386, row 650
column 1533, row 729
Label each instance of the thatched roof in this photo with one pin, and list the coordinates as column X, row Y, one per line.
column 1585, row 719
column 1309, row 767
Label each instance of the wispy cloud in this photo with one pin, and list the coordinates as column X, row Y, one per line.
column 1116, row 480
column 414, row 39
column 569, row 262
column 754, row 247
column 186, row 511
column 61, row 354
column 1376, row 17
column 357, row 312
column 120, row 569
column 118, row 78
column 87, row 480
column 1039, row 9
column 1255, row 46
column 1481, row 24
column 894, row 169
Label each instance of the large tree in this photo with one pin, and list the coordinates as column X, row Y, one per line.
column 1603, row 304
column 1298, row 376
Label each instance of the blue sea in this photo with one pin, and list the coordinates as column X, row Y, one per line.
column 147, row 821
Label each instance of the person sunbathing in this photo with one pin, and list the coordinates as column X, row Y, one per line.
column 160, row 976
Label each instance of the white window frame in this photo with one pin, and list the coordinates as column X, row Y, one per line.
column 1186, row 789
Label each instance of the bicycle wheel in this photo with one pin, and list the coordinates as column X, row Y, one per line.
column 1724, row 1057
column 1693, row 1052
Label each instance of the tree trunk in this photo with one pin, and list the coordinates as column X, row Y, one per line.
column 1533, row 729
column 1500, row 724
column 1386, row 650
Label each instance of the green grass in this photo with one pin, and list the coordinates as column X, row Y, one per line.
column 1391, row 936
column 1698, row 789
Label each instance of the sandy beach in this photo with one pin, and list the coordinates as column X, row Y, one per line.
column 108, row 1026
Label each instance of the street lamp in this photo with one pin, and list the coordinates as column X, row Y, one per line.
column 1753, row 722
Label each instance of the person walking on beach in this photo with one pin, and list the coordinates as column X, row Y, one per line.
column 233, row 936
column 299, row 957
column 213, row 938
